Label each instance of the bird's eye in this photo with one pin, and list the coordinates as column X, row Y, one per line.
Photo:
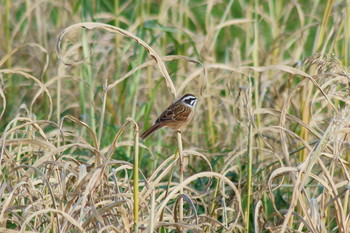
column 190, row 101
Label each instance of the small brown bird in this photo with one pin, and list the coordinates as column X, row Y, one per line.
column 176, row 116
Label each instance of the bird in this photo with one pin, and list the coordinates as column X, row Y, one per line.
column 176, row 116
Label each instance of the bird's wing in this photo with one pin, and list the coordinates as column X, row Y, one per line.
column 175, row 112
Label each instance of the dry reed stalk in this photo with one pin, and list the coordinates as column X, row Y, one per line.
column 136, row 178
column 181, row 160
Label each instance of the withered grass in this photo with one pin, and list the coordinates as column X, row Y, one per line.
column 267, row 150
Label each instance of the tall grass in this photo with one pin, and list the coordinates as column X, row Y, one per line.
column 267, row 150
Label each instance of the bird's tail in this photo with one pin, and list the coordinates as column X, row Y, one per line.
column 150, row 130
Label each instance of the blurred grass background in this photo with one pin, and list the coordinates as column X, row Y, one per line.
column 272, row 81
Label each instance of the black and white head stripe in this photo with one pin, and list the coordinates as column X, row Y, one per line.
column 189, row 99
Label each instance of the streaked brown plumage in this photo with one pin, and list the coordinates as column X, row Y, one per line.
column 176, row 116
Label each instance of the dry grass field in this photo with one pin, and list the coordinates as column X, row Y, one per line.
column 268, row 149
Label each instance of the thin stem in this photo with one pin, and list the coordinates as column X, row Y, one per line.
column 8, row 31
column 103, row 110
column 213, row 205
column 249, row 185
column 179, row 141
column 322, row 30
column 210, row 122
column 167, row 192
column 87, row 72
column 136, row 183
column 151, row 222
column 116, row 22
